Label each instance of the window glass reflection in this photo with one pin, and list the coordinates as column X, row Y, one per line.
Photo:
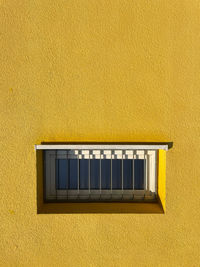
column 105, row 173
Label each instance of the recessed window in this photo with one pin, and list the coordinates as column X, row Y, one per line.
column 98, row 173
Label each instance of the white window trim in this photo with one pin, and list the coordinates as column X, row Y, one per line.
column 102, row 146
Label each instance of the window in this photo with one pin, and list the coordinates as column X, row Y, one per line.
column 100, row 173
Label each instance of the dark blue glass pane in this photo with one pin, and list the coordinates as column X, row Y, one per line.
column 94, row 173
column 84, row 173
column 105, row 173
column 116, row 173
column 128, row 173
column 139, row 174
column 61, row 173
column 73, row 174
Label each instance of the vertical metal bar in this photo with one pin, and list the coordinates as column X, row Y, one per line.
column 147, row 170
column 156, row 171
column 68, row 182
column 136, row 156
column 100, row 175
column 78, row 176
column 44, row 173
column 145, row 182
column 89, row 175
column 122, row 174
column 133, row 170
column 55, row 172
column 111, row 176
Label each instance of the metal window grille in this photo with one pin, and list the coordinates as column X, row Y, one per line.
column 89, row 175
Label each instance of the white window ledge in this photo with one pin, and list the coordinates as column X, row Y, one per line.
column 142, row 146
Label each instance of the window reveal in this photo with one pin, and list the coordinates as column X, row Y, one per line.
column 100, row 175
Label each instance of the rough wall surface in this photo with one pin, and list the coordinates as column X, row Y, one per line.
column 89, row 70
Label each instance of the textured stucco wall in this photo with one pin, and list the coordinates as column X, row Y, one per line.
column 90, row 70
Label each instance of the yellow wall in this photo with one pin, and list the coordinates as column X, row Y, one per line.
column 162, row 178
column 106, row 70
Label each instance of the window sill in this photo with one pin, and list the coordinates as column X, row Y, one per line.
column 60, row 208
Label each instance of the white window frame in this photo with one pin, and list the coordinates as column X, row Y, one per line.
column 149, row 153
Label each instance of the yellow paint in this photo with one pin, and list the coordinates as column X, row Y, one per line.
column 107, row 70
column 162, row 177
